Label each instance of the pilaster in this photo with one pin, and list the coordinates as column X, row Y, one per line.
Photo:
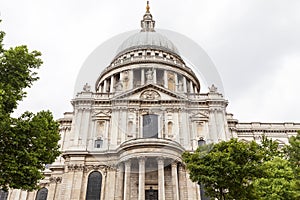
column 175, row 181
column 119, row 182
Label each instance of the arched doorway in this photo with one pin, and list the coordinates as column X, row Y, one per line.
column 93, row 191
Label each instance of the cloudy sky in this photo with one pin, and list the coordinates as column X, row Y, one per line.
column 254, row 44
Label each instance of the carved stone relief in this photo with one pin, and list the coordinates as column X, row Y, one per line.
column 150, row 95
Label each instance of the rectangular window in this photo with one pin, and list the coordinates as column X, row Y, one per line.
column 150, row 126
column 160, row 77
column 137, row 77
column 98, row 143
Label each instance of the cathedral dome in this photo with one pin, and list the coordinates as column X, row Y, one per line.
column 143, row 40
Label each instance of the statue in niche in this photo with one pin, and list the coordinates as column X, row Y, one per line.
column 130, row 127
column 171, row 82
column 119, row 86
column 170, row 129
column 199, row 128
column 149, row 75
column 100, row 130
column 125, row 79
column 107, row 89
column 180, row 86
column 86, row 88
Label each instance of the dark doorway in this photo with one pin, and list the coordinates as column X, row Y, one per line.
column 150, row 126
column 151, row 194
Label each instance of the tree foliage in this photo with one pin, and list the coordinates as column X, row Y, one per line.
column 278, row 181
column 227, row 170
column 29, row 142
column 240, row 170
column 292, row 151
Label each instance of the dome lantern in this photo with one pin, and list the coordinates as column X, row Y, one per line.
column 147, row 23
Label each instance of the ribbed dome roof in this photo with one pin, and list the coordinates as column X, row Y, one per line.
column 152, row 40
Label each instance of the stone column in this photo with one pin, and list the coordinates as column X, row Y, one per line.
column 23, row 195
column 104, row 86
column 126, row 195
column 176, row 82
column 184, row 84
column 52, row 188
column 182, row 183
column 119, row 182
column 166, row 79
column 175, row 181
column 142, row 77
column 191, row 87
column 111, row 89
column 67, row 183
column 141, row 178
column 30, row 196
column 154, row 76
column 161, row 179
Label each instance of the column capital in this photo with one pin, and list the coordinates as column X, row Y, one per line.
column 127, row 163
column 142, row 158
column 174, row 164
column 160, row 159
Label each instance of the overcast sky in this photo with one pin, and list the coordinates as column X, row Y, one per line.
column 255, row 45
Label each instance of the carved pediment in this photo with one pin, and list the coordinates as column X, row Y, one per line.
column 199, row 116
column 150, row 92
column 103, row 114
column 150, row 95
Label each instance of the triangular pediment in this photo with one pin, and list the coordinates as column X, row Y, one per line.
column 199, row 116
column 150, row 92
column 102, row 114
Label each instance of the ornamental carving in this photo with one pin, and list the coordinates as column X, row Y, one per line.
column 86, row 88
column 55, row 179
column 213, row 89
column 150, row 95
column 76, row 167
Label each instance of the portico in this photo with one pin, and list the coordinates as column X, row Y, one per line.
column 147, row 175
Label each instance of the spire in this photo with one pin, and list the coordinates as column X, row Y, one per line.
column 147, row 23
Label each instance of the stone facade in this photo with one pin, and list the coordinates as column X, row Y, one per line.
column 126, row 139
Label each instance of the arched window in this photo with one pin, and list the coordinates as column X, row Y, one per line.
column 93, row 191
column 3, row 195
column 201, row 142
column 42, row 194
column 98, row 143
column 150, row 126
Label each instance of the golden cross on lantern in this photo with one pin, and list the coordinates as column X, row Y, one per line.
column 147, row 7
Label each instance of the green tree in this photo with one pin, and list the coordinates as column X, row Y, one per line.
column 292, row 151
column 29, row 142
column 278, row 181
column 240, row 170
column 227, row 170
